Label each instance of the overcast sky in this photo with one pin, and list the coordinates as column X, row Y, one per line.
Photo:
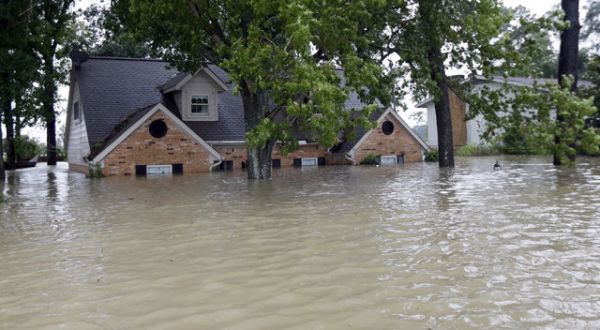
column 538, row 7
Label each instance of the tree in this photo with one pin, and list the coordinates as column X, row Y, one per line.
column 54, row 17
column 432, row 35
column 591, row 30
column 2, row 171
column 18, row 65
column 527, row 36
column 593, row 74
column 547, row 117
column 283, row 57
column 99, row 31
column 567, row 69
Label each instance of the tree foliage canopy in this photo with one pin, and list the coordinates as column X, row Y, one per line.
column 284, row 54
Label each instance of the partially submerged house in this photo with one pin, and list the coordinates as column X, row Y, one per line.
column 138, row 116
column 469, row 132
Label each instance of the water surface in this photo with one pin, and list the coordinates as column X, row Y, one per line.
column 328, row 248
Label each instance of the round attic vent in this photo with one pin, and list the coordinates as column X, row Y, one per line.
column 387, row 127
column 158, row 128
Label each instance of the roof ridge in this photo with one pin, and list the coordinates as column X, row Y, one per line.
column 122, row 58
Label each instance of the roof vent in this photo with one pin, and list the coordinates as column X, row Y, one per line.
column 78, row 57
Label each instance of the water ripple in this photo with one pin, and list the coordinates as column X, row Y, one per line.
column 336, row 247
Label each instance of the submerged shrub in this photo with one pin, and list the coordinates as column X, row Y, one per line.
column 470, row 150
column 27, row 148
column 432, row 155
column 94, row 171
column 369, row 159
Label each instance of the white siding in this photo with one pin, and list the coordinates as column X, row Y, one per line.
column 475, row 126
column 200, row 84
column 432, row 137
column 78, row 145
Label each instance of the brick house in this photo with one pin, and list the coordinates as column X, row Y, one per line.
column 138, row 116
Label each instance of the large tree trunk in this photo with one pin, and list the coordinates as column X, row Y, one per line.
column 18, row 126
column 442, row 109
column 48, row 108
column 11, row 155
column 17, row 112
column 51, row 140
column 259, row 162
column 568, row 56
column 2, row 174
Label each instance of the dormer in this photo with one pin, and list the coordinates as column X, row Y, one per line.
column 196, row 94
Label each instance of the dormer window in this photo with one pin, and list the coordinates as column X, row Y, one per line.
column 197, row 96
column 199, row 104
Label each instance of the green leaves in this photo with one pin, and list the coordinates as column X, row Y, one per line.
column 525, row 118
column 282, row 55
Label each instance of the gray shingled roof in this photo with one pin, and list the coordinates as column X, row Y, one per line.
column 528, row 81
column 112, row 89
column 174, row 80
column 514, row 81
column 115, row 91
column 346, row 145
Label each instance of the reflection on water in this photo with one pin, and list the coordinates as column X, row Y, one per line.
column 335, row 247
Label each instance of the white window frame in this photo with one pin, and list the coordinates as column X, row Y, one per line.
column 389, row 157
column 186, row 106
column 151, row 170
column 310, row 161
column 192, row 104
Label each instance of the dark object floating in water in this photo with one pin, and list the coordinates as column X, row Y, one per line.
column 31, row 163
column 497, row 166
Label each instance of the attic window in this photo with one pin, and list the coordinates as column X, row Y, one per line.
column 199, row 104
column 387, row 127
column 158, row 128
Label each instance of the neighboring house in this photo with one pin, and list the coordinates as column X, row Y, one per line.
column 470, row 131
column 137, row 116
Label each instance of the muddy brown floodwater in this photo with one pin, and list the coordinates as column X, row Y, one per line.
column 409, row 247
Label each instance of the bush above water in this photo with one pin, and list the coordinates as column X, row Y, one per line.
column 470, row 150
column 27, row 148
column 432, row 155
column 369, row 159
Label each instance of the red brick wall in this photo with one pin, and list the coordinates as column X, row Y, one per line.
column 141, row 148
column 399, row 142
column 304, row 151
column 238, row 154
